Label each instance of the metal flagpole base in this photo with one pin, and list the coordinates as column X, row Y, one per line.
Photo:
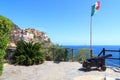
column 91, row 53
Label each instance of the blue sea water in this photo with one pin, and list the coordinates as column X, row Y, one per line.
column 97, row 49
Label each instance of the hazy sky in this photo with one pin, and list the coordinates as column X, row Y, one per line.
column 67, row 22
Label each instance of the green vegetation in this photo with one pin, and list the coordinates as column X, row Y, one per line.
column 1, row 67
column 5, row 29
column 60, row 53
column 47, row 49
column 83, row 54
column 48, row 54
column 28, row 53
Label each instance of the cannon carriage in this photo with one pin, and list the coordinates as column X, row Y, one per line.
column 98, row 62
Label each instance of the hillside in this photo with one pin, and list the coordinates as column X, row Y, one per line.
column 15, row 27
column 27, row 35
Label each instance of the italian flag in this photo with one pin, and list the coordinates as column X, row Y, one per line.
column 95, row 8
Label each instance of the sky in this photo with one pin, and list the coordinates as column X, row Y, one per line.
column 67, row 22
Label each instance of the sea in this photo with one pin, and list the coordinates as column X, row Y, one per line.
column 97, row 49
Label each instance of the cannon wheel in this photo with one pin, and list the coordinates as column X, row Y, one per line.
column 103, row 68
column 88, row 67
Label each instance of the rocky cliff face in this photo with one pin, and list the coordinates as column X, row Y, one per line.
column 28, row 35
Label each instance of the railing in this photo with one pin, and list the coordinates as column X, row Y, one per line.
column 103, row 52
column 72, row 51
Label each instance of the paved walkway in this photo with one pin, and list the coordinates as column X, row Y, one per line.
column 52, row 71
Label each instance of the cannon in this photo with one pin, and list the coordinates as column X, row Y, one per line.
column 98, row 62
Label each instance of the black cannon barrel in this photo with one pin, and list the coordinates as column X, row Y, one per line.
column 105, row 56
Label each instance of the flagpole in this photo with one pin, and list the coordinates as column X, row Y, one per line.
column 91, row 35
column 94, row 8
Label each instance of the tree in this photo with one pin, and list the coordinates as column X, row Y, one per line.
column 5, row 29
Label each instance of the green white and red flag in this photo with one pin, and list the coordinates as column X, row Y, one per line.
column 95, row 8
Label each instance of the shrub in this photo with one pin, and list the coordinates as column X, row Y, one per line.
column 83, row 54
column 5, row 29
column 60, row 53
column 28, row 53
column 47, row 48
column 48, row 54
column 1, row 67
